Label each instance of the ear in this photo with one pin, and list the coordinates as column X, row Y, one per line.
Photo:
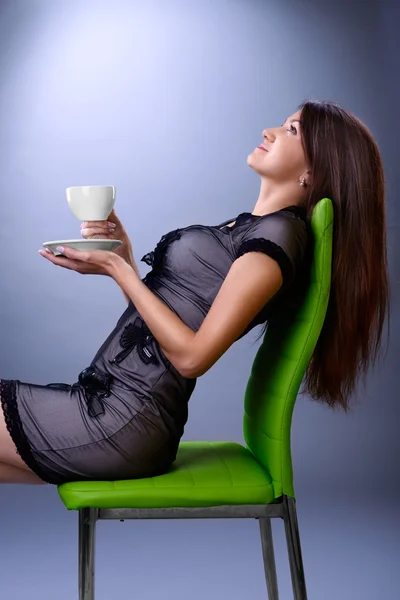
column 306, row 176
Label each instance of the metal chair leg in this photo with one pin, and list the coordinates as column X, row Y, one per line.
column 294, row 548
column 87, row 528
column 269, row 558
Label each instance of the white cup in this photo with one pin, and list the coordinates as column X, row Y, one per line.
column 91, row 202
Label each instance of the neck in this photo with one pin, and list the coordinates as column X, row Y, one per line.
column 275, row 196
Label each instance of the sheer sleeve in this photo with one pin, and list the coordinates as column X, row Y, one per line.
column 282, row 236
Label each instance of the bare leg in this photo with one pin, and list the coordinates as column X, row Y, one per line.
column 11, row 474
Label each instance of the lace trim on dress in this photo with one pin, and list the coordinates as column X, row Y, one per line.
column 274, row 251
column 14, row 427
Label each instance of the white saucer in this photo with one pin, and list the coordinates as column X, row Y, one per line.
column 82, row 245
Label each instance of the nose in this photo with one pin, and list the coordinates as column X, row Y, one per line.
column 268, row 134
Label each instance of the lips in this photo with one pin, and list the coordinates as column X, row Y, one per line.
column 262, row 148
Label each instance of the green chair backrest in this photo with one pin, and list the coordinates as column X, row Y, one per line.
column 282, row 359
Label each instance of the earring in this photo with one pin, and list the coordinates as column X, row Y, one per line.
column 303, row 182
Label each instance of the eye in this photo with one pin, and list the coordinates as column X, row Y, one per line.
column 293, row 129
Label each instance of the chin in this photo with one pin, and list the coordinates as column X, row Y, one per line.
column 252, row 162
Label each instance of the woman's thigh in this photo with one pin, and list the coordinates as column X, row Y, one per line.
column 11, row 474
column 8, row 451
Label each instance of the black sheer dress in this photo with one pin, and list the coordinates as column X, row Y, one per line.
column 125, row 415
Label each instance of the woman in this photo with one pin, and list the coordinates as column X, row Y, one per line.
column 209, row 286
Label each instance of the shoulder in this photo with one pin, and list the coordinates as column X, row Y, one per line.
column 280, row 225
column 282, row 235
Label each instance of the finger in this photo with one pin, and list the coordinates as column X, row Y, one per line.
column 103, row 225
column 60, row 261
column 88, row 232
column 71, row 253
column 93, row 223
column 46, row 254
column 98, row 224
column 49, row 255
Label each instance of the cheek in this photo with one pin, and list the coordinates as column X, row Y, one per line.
column 286, row 158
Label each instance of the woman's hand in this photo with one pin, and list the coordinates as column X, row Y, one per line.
column 92, row 230
column 85, row 262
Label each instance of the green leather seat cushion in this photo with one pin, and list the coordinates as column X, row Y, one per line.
column 203, row 474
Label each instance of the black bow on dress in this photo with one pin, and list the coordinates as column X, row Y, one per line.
column 136, row 334
column 96, row 385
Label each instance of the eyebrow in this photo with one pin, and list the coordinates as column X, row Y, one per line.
column 292, row 120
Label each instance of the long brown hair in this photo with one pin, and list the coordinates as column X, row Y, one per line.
column 346, row 166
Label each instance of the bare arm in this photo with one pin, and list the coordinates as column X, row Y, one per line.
column 251, row 282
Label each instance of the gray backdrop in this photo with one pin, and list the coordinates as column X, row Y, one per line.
column 165, row 100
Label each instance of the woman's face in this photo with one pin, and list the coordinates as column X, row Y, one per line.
column 282, row 158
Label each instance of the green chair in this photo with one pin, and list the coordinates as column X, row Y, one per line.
column 226, row 479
